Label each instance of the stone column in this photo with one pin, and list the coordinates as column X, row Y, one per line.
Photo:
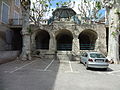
column 75, row 46
column 52, row 47
column 75, row 49
column 52, row 44
column 97, row 45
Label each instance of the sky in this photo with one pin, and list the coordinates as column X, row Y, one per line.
column 54, row 5
column 75, row 7
column 55, row 1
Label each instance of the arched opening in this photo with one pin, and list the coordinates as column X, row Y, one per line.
column 87, row 39
column 42, row 40
column 64, row 40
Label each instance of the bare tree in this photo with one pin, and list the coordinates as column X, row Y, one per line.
column 38, row 10
column 89, row 10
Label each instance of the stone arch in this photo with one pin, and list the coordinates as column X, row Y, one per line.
column 64, row 40
column 87, row 39
column 42, row 40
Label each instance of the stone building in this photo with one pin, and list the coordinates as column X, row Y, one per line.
column 10, row 25
column 67, row 37
column 64, row 36
column 10, row 30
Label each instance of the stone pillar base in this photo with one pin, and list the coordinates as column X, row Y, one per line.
column 26, row 56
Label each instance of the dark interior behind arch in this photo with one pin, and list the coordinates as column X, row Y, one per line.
column 42, row 40
column 87, row 39
column 64, row 41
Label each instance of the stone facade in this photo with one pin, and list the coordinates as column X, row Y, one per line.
column 64, row 37
column 6, row 32
column 94, row 33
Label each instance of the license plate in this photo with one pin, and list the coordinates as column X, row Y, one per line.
column 99, row 60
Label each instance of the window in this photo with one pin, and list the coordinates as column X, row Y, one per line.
column 17, row 3
column 96, row 55
column 5, row 13
column 16, row 18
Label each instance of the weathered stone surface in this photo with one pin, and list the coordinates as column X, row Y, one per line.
column 98, row 30
column 96, row 33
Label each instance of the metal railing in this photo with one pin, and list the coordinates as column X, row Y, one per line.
column 87, row 46
column 66, row 47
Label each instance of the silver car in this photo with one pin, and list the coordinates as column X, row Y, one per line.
column 94, row 60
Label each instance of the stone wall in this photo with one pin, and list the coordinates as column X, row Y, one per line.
column 5, row 44
column 98, row 33
column 2, row 44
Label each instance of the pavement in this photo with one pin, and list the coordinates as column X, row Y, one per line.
column 43, row 74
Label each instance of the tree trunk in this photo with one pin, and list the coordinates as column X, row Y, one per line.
column 26, row 50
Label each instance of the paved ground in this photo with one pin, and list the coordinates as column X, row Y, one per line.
column 56, row 75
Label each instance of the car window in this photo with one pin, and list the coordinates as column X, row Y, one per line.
column 96, row 55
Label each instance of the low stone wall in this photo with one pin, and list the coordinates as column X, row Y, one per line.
column 60, row 55
column 43, row 54
column 6, row 56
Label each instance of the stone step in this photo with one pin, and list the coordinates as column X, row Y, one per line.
column 64, row 56
column 64, row 52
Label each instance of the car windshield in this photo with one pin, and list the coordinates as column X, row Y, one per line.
column 96, row 55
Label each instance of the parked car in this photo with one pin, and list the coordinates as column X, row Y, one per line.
column 94, row 60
